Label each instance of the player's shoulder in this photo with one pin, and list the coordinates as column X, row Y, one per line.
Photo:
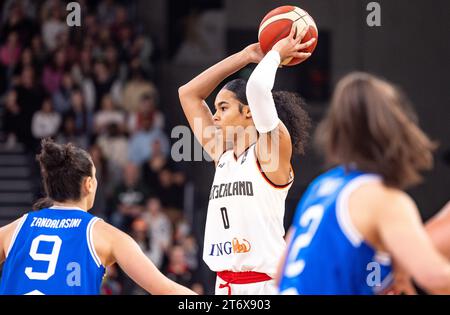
column 11, row 227
column 106, row 233
column 387, row 200
column 7, row 231
column 391, row 195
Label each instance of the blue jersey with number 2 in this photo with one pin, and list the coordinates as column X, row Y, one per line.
column 327, row 254
column 52, row 252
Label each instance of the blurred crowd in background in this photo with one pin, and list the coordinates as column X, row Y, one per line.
column 94, row 86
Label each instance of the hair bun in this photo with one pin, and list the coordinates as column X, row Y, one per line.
column 52, row 155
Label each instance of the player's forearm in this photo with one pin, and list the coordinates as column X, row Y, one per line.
column 170, row 287
column 203, row 84
column 259, row 93
column 438, row 228
column 436, row 280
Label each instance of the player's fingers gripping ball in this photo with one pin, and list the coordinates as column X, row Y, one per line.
column 277, row 24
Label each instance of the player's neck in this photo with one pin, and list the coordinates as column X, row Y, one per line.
column 242, row 142
column 72, row 204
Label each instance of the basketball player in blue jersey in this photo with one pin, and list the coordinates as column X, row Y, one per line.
column 61, row 248
column 251, row 138
column 354, row 220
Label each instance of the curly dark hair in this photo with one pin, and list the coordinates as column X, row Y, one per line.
column 290, row 110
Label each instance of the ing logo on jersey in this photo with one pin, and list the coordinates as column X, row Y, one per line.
column 227, row 248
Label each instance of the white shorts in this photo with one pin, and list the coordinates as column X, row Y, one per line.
column 268, row 287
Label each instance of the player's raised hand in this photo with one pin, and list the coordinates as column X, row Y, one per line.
column 291, row 46
column 254, row 52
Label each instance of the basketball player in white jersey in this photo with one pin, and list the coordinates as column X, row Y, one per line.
column 244, row 235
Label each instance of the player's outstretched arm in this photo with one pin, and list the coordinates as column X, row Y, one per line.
column 402, row 232
column 193, row 94
column 113, row 245
column 438, row 227
column 274, row 146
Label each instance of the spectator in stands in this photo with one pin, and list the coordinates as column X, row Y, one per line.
column 104, row 187
column 53, row 25
column 114, row 146
column 10, row 51
column 29, row 97
column 128, row 198
column 106, row 12
column 103, row 82
column 144, row 48
column 154, row 165
column 141, row 143
column 82, row 73
column 108, row 115
column 27, row 59
column 171, row 192
column 69, row 133
column 160, row 229
column 182, row 230
column 110, row 56
column 61, row 97
column 136, row 87
column 190, row 246
column 16, row 20
column 177, row 269
column 53, row 73
column 83, row 117
column 39, row 52
column 12, row 119
column 111, row 284
column 65, row 45
column 46, row 121
column 147, row 110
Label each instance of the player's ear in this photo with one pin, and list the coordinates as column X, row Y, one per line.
column 88, row 184
column 246, row 111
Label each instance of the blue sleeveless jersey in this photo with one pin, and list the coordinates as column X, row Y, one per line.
column 327, row 255
column 52, row 252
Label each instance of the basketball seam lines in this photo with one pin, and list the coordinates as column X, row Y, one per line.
column 301, row 16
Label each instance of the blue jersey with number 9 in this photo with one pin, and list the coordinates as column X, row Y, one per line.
column 52, row 252
column 327, row 254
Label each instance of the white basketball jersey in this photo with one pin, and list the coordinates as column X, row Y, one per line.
column 244, row 225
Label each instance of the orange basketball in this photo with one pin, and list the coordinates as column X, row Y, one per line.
column 277, row 25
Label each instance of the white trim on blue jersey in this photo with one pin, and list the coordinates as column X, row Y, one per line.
column 90, row 241
column 383, row 258
column 342, row 213
column 16, row 232
column 66, row 208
